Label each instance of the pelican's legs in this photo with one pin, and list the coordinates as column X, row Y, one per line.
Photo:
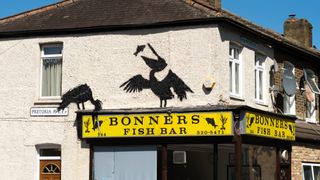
column 165, row 102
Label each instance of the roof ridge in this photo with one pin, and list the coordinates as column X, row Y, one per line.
column 37, row 10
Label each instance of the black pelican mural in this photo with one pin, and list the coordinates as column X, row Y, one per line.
column 79, row 94
column 162, row 88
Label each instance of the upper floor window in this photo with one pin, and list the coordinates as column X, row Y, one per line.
column 51, row 62
column 235, row 70
column 289, row 102
column 259, row 77
column 311, row 89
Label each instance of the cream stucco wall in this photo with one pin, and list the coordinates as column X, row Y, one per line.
column 104, row 61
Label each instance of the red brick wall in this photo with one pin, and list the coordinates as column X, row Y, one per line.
column 307, row 153
column 299, row 63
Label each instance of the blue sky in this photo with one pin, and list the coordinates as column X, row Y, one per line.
column 272, row 13
column 267, row 13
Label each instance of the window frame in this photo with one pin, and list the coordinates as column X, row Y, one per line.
column 311, row 80
column 257, row 69
column 232, row 71
column 311, row 165
column 43, row 56
column 286, row 98
column 311, row 106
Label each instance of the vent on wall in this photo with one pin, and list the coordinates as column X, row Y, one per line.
column 179, row 157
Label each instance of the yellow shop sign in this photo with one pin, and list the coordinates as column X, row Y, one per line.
column 157, row 124
column 268, row 126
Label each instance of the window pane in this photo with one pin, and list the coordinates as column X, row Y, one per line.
column 236, row 54
column 307, row 173
column 256, row 84
column 230, row 76
column 190, row 168
column 257, row 61
column 230, row 52
column 51, row 77
column 237, row 74
column 52, row 50
column 50, row 152
column 258, row 162
column 316, row 171
column 124, row 163
column 260, row 85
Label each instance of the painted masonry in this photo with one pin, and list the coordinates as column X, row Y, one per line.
column 175, row 69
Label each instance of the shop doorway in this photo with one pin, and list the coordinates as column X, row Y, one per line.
column 49, row 163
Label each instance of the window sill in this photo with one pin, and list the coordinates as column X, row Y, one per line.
column 262, row 103
column 289, row 114
column 236, row 97
column 312, row 121
column 47, row 102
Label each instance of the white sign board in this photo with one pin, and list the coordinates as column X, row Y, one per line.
column 48, row 111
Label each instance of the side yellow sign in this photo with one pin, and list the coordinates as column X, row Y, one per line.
column 268, row 126
column 162, row 124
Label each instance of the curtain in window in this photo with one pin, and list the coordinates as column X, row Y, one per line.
column 51, row 77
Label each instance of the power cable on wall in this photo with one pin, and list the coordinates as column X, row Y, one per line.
column 4, row 51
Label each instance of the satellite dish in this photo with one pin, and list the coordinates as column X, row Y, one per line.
column 288, row 80
column 310, row 78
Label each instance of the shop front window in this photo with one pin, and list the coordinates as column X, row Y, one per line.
column 258, row 162
column 190, row 162
column 125, row 163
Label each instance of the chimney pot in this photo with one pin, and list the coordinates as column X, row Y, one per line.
column 292, row 15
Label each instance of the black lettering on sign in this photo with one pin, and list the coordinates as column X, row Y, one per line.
column 182, row 119
column 138, row 121
column 113, row 121
column 126, row 121
column 183, row 130
column 168, row 120
column 153, row 119
column 163, row 130
column 195, row 119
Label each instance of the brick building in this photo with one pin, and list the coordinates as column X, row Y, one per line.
column 161, row 89
column 305, row 149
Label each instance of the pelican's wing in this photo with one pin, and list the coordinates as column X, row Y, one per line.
column 136, row 83
column 179, row 87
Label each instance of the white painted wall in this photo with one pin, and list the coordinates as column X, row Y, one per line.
column 104, row 61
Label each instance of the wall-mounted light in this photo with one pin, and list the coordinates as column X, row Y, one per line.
column 209, row 82
column 284, row 155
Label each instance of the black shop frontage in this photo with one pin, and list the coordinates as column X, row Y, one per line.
column 199, row 143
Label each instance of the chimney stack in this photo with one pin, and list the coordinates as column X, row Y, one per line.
column 215, row 3
column 299, row 30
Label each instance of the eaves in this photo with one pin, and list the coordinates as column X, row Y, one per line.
column 276, row 42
